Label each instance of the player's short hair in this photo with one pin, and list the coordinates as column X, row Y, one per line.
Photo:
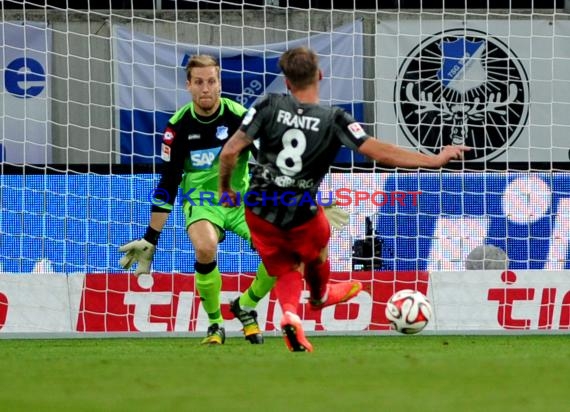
column 201, row 60
column 300, row 65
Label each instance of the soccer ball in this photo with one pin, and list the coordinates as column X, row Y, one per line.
column 408, row 311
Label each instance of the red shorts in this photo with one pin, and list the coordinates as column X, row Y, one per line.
column 281, row 250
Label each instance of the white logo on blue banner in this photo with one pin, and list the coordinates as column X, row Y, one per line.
column 24, row 92
column 150, row 79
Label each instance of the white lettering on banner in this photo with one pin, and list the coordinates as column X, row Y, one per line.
column 526, row 199
column 454, row 238
column 506, row 298
column 184, row 312
column 558, row 251
column 248, row 93
column 361, row 322
column 526, row 299
column 25, row 50
column 142, row 303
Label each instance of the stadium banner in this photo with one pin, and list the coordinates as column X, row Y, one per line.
column 464, row 301
column 500, row 300
column 483, row 83
column 150, row 80
column 431, row 222
column 25, row 93
column 164, row 302
column 33, row 302
column 421, row 222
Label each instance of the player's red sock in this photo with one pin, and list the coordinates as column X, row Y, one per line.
column 288, row 290
column 317, row 276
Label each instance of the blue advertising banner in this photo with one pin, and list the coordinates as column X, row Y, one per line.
column 150, row 80
column 25, row 93
column 425, row 221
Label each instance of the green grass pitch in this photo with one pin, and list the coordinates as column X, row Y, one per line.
column 368, row 373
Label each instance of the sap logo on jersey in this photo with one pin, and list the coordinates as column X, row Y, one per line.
column 203, row 159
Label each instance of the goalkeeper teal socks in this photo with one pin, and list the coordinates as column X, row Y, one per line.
column 261, row 286
column 209, row 286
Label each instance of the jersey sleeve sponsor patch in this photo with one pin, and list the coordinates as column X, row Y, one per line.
column 356, row 130
column 168, row 136
column 165, row 153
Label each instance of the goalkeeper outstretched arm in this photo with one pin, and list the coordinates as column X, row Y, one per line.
column 141, row 251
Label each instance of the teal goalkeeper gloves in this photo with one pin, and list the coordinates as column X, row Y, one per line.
column 337, row 217
column 139, row 251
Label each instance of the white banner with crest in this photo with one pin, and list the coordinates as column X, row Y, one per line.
column 494, row 85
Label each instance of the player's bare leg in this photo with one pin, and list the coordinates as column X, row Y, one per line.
column 323, row 293
column 288, row 290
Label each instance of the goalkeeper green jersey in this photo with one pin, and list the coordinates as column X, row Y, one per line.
column 191, row 147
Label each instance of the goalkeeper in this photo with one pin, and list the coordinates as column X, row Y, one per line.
column 192, row 141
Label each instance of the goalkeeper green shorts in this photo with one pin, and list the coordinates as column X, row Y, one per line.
column 224, row 218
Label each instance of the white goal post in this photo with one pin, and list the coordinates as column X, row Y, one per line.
column 86, row 93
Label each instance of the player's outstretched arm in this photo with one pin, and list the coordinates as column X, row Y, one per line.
column 391, row 155
column 228, row 160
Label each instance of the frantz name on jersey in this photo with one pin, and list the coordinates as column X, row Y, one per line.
column 301, row 122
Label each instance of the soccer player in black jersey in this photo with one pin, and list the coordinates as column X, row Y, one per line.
column 298, row 141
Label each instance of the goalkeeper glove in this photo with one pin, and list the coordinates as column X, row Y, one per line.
column 337, row 217
column 140, row 251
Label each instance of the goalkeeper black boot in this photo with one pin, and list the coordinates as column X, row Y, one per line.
column 248, row 320
column 216, row 335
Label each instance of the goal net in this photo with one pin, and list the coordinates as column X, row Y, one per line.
column 87, row 90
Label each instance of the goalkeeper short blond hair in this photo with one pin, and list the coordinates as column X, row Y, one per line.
column 201, row 60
